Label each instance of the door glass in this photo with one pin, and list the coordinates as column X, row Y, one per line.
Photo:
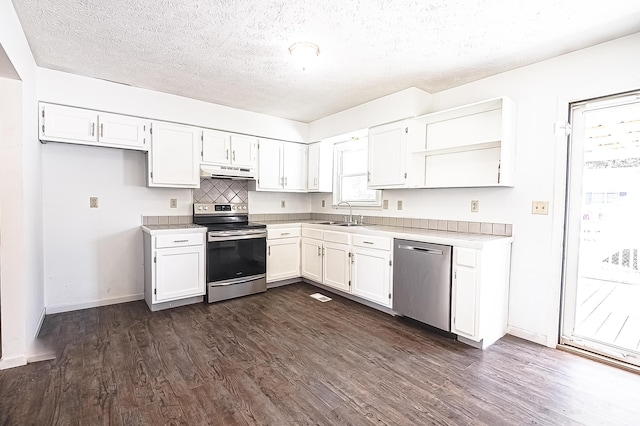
column 236, row 259
column 602, row 282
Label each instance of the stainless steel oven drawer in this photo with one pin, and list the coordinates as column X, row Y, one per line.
column 217, row 291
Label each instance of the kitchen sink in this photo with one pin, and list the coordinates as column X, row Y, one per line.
column 339, row 223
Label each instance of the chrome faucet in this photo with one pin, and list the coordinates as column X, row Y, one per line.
column 350, row 212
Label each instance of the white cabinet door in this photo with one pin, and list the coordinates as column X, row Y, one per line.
column 243, row 150
column 464, row 294
column 294, row 162
column 175, row 156
column 67, row 124
column 179, row 273
column 336, row 270
column 125, row 132
column 313, row 167
column 311, row 259
column 270, row 165
column 372, row 275
column 216, row 147
column 283, row 259
column 388, row 155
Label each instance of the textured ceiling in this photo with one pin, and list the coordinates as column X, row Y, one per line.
column 235, row 53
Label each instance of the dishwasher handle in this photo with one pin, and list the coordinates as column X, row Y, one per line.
column 421, row 249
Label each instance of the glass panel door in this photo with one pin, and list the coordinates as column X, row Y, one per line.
column 601, row 308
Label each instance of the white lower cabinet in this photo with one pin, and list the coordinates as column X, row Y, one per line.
column 480, row 293
column 311, row 259
column 174, row 269
column 336, row 268
column 283, row 254
column 371, row 274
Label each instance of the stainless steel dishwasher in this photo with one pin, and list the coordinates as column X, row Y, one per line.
column 422, row 282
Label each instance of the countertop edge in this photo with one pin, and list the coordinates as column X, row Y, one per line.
column 173, row 229
column 451, row 238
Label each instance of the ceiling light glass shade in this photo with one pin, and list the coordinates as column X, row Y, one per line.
column 304, row 53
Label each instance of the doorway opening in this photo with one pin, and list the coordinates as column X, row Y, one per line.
column 601, row 288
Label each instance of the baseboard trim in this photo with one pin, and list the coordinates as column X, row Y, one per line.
column 527, row 335
column 40, row 322
column 16, row 361
column 56, row 309
column 283, row 282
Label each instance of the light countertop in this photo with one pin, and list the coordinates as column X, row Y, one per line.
column 457, row 239
column 186, row 228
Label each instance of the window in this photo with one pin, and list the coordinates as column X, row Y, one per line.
column 350, row 175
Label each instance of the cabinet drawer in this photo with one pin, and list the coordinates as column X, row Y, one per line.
column 465, row 257
column 337, row 237
column 381, row 243
column 179, row 240
column 312, row 233
column 273, row 234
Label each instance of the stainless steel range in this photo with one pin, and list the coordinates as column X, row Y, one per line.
column 236, row 250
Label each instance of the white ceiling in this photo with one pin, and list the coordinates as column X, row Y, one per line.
column 235, row 53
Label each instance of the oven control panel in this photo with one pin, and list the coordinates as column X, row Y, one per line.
column 220, row 208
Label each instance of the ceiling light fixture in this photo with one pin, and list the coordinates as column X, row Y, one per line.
column 304, row 53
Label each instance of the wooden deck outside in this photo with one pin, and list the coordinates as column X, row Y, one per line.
column 609, row 312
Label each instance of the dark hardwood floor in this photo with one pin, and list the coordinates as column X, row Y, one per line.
column 283, row 358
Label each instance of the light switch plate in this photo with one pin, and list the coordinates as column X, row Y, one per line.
column 399, row 204
column 173, row 203
column 385, row 204
column 540, row 207
column 322, row 203
column 282, row 204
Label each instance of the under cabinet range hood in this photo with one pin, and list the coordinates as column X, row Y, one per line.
column 232, row 172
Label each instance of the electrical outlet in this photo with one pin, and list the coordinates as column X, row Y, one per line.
column 385, row 204
column 475, row 206
column 173, row 203
column 322, row 203
column 282, row 204
column 540, row 207
column 93, row 202
column 399, row 204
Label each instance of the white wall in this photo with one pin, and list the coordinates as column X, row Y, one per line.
column 406, row 103
column 94, row 256
column 542, row 91
column 20, row 200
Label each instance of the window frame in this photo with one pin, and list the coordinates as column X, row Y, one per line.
column 339, row 148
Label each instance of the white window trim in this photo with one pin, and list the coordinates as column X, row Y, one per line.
column 338, row 149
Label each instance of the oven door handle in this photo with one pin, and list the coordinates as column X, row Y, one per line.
column 236, row 237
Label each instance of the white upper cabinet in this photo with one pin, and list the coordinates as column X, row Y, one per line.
column 123, row 132
column 174, row 159
column 393, row 162
column 88, row 127
column 471, row 146
column 320, row 167
column 282, row 166
column 228, row 149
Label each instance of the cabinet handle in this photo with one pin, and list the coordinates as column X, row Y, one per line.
column 180, row 241
column 101, row 130
column 285, row 181
column 319, row 251
column 226, row 155
column 368, row 242
column 269, row 251
column 368, row 176
column 234, row 155
column 281, row 181
column 285, row 233
column 93, row 129
column 353, row 257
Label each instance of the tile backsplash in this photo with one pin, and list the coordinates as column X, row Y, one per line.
column 221, row 191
